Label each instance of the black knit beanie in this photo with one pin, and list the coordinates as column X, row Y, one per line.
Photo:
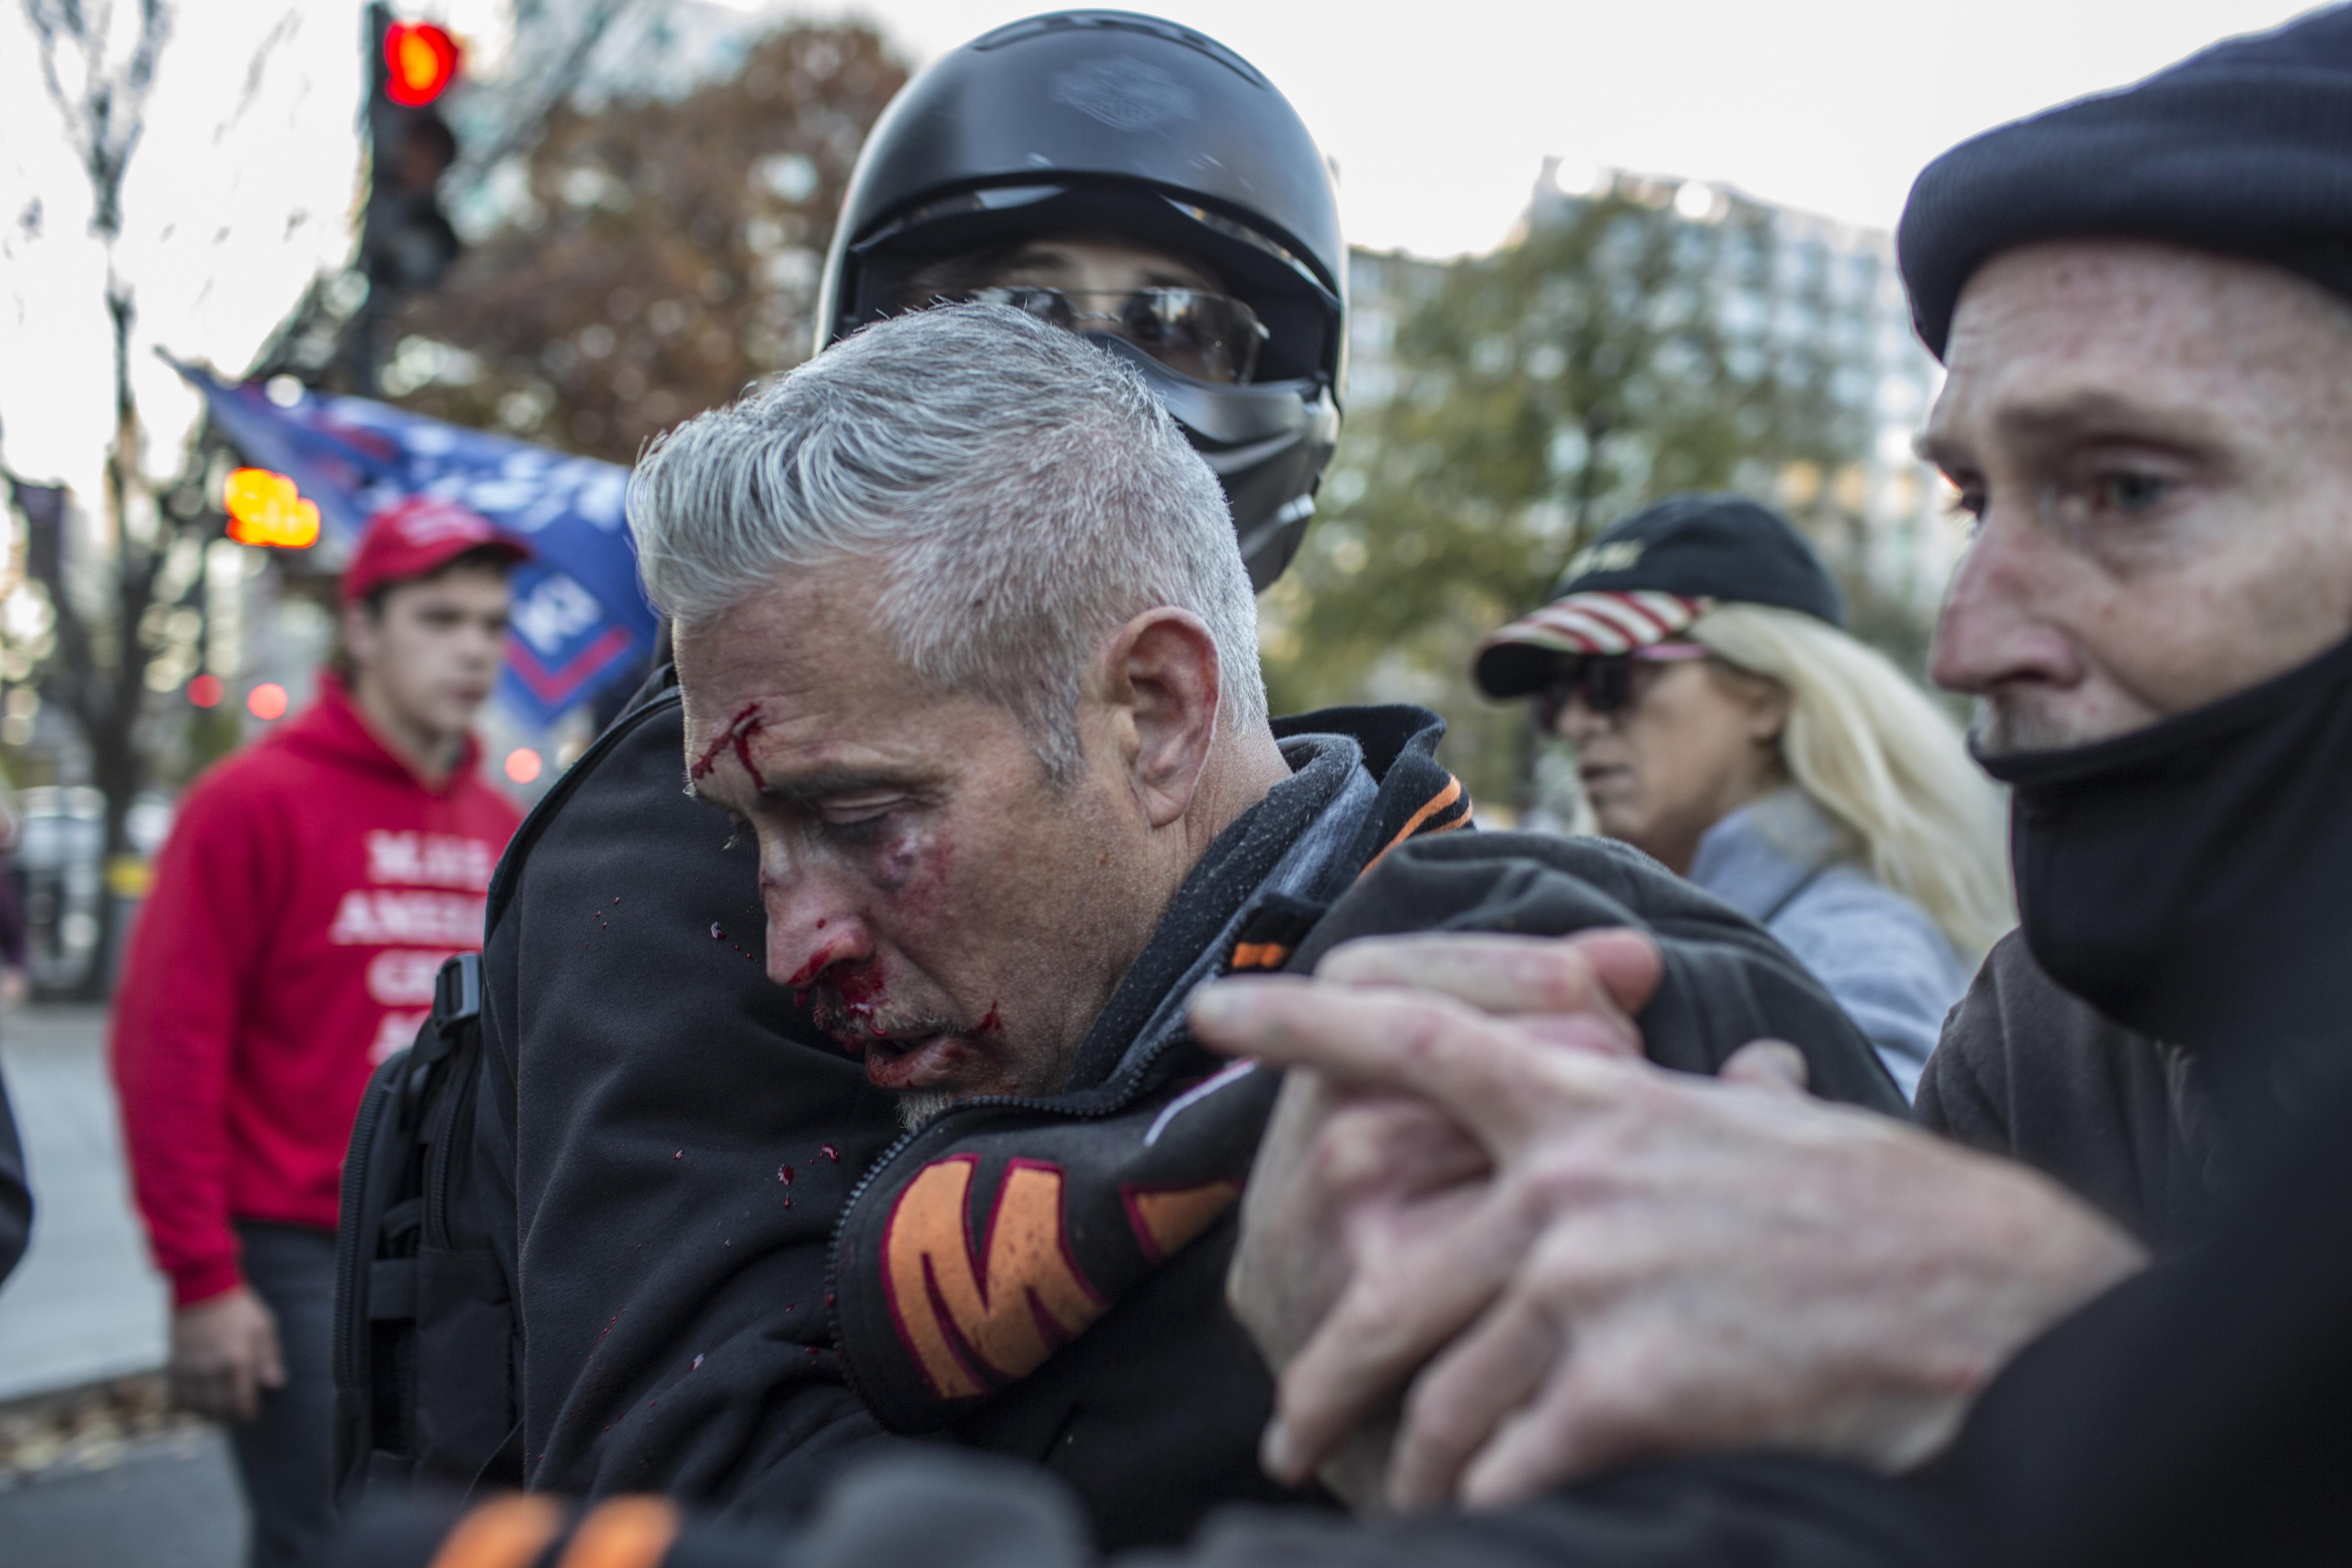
column 2246, row 150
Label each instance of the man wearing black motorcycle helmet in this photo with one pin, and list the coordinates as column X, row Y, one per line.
column 663, row 1137
column 1136, row 182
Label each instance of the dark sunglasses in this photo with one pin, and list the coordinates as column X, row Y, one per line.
column 1209, row 337
column 1604, row 682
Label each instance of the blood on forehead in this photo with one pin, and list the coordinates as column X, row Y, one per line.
column 738, row 735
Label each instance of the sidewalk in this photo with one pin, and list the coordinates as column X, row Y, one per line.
column 84, row 1305
column 163, row 1502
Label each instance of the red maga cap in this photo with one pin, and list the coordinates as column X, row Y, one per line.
column 416, row 538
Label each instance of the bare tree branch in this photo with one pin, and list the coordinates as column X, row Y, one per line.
column 106, row 119
column 255, row 71
column 104, row 649
column 555, row 83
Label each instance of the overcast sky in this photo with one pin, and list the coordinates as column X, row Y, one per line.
column 1439, row 114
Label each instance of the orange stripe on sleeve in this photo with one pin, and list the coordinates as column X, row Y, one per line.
column 1413, row 823
column 1260, row 955
column 505, row 1533
column 626, row 1532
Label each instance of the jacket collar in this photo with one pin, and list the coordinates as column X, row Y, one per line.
column 1361, row 779
column 1754, row 858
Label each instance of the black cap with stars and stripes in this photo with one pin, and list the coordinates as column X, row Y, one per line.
column 1650, row 575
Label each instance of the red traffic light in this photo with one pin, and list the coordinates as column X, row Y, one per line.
column 420, row 61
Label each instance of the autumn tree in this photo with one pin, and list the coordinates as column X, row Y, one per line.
column 659, row 254
column 116, row 620
column 1532, row 396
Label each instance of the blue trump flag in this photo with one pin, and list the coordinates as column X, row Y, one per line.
column 581, row 621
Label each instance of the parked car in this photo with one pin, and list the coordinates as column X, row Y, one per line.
column 60, row 867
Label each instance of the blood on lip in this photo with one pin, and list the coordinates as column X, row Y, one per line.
column 860, row 991
column 855, row 989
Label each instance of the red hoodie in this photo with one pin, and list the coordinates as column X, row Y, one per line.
column 311, row 887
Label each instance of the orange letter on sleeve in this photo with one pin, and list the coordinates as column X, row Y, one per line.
column 998, row 1310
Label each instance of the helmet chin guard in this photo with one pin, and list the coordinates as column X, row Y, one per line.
column 1110, row 122
column 1265, row 442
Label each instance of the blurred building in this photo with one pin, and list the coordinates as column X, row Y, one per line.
column 1820, row 300
column 1384, row 288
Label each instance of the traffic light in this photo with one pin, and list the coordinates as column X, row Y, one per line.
column 407, row 243
column 420, row 61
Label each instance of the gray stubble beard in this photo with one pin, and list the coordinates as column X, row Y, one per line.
column 1996, row 733
column 917, row 1106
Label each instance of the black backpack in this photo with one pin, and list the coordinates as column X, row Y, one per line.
column 425, row 1361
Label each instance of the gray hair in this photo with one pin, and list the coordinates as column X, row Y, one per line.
column 1027, row 491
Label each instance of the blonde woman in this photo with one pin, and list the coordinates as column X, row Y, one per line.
column 1725, row 723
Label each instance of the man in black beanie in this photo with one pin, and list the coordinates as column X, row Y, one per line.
column 2145, row 302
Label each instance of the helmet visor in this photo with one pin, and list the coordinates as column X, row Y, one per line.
column 1209, row 337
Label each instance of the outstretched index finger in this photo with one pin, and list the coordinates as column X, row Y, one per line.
column 1496, row 1080
column 1615, row 971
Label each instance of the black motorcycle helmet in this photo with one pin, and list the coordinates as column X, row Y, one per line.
column 1108, row 122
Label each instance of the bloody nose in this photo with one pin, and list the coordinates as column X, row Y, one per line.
column 800, row 964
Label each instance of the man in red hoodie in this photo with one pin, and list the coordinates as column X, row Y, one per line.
column 313, row 885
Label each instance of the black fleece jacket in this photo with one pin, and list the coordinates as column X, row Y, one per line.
column 2027, row 1071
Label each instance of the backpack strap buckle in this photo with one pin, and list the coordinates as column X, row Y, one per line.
column 457, row 1002
column 457, row 990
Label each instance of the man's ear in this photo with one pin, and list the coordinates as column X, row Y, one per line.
column 1162, row 680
